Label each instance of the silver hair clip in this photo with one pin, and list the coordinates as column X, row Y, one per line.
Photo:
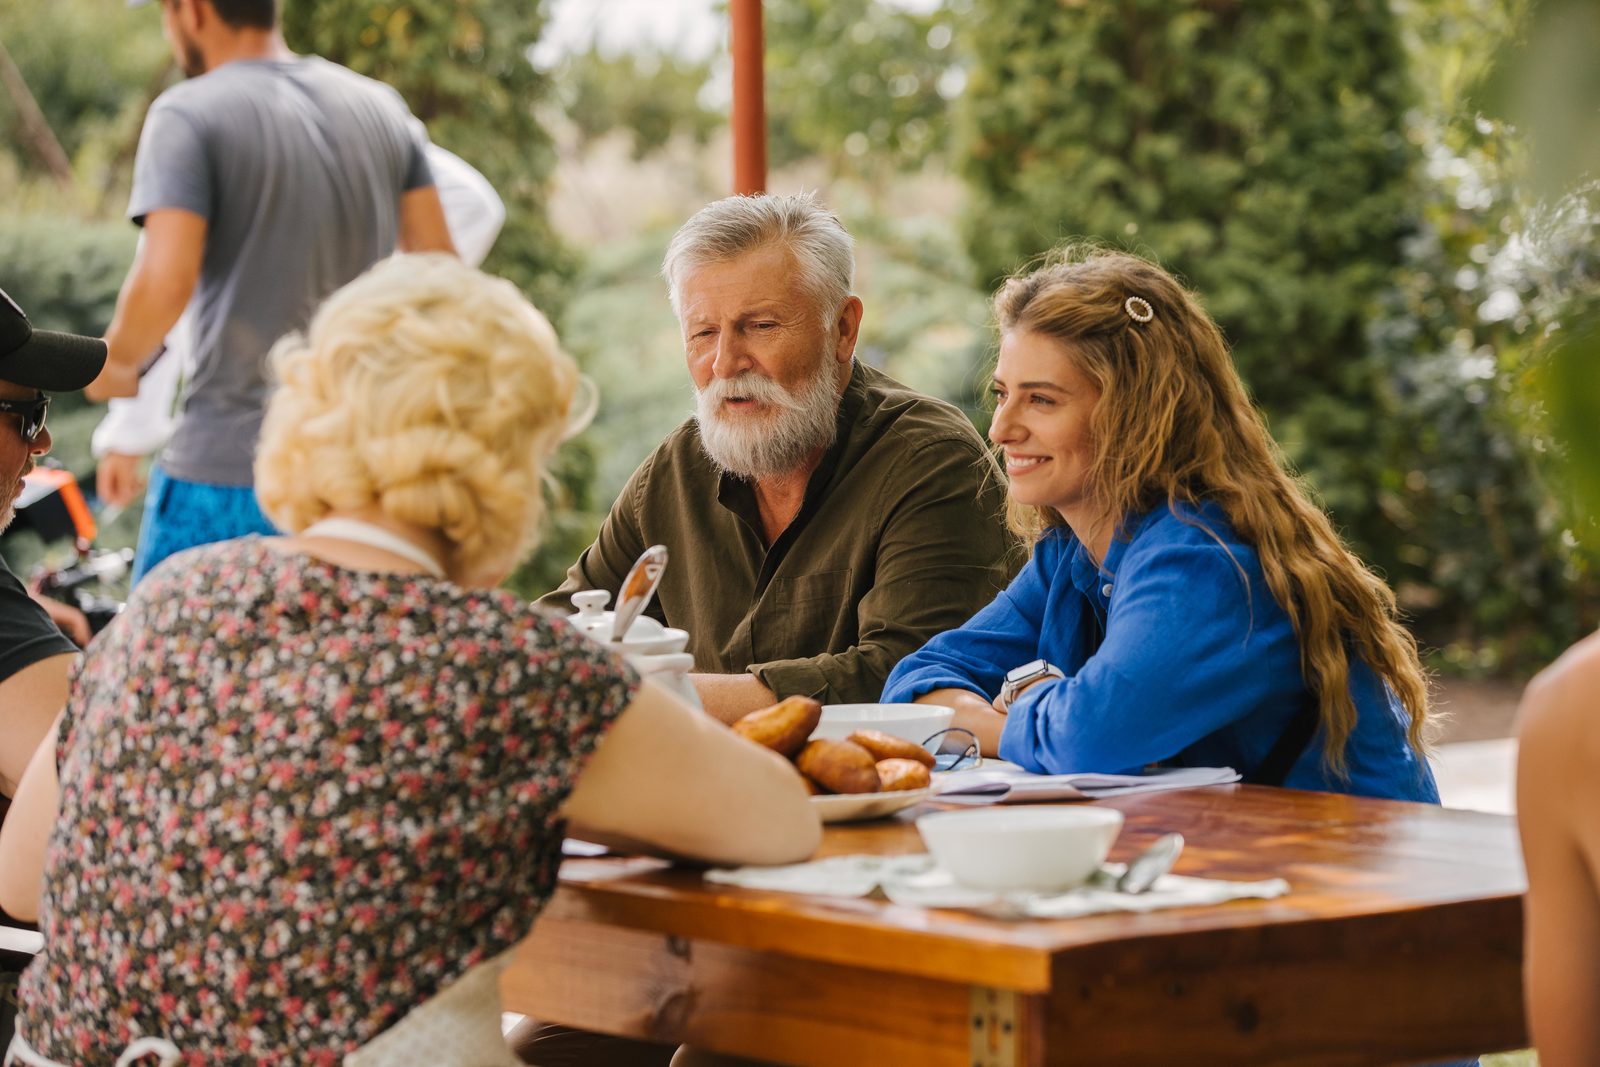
column 1138, row 309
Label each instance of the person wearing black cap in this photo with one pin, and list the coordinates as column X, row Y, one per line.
column 34, row 654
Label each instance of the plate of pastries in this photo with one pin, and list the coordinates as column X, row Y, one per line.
column 865, row 775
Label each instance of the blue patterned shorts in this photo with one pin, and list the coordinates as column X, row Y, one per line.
column 180, row 515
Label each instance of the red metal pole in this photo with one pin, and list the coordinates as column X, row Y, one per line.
column 749, row 103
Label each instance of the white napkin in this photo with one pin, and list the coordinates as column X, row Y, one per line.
column 836, row 876
column 936, row 888
column 915, row 881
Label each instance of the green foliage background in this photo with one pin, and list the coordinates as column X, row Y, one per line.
column 1363, row 237
column 1406, row 292
column 872, row 100
column 1257, row 150
column 650, row 96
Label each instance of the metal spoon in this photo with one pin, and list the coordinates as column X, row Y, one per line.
column 637, row 589
column 1151, row 864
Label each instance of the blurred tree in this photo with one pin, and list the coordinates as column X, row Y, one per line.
column 863, row 84
column 1488, row 552
column 93, row 68
column 1256, row 149
column 65, row 274
column 463, row 67
column 1483, row 551
column 1388, row 316
column 1548, row 85
column 650, row 95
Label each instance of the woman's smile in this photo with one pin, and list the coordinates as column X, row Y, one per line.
column 1043, row 407
column 1019, row 465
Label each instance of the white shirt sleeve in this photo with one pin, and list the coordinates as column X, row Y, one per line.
column 139, row 425
column 473, row 211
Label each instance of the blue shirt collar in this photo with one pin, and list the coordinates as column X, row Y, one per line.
column 1097, row 583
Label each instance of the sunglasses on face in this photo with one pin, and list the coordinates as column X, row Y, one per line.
column 31, row 412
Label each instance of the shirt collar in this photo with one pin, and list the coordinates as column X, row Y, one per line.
column 1095, row 582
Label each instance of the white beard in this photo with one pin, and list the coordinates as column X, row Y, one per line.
column 776, row 439
column 8, row 507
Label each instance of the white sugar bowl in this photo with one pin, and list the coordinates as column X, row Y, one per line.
column 655, row 651
column 644, row 637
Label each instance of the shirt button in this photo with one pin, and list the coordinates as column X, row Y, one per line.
column 1105, row 590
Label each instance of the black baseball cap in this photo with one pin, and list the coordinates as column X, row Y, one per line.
column 42, row 359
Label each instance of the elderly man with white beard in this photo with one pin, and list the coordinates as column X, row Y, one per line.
column 822, row 520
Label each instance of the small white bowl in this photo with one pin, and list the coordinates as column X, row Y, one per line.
column 912, row 722
column 1040, row 847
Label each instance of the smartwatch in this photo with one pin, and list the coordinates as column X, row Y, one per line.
column 1019, row 678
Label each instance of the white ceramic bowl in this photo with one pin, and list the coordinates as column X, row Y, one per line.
column 913, row 722
column 1041, row 847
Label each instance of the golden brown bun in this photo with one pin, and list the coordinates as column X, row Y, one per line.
column 783, row 727
column 898, row 774
column 842, row 766
column 883, row 746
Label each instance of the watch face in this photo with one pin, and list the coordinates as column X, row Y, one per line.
column 1026, row 671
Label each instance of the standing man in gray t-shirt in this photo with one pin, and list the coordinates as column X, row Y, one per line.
column 263, row 184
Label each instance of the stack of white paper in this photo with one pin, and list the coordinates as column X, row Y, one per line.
column 1014, row 787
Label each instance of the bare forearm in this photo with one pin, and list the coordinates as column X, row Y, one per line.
column 165, row 273
column 670, row 781
column 27, row 831
column 147, row 308
column 974, row 713
column 32, row 698
column 729, row 697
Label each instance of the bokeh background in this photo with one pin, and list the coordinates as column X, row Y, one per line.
column 1389, row 205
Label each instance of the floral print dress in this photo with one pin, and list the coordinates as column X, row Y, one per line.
column 297, row 800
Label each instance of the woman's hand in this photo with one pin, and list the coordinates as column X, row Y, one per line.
column 974, row 713
column 999, row 702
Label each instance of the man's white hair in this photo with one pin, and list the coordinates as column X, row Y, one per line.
column 728, row 228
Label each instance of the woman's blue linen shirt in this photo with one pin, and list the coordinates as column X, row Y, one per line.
column 1198, row 664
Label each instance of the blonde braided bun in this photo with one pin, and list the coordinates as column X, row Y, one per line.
column 429, row 390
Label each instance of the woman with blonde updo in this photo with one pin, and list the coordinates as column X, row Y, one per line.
column 1186, row 603
column 307, row 784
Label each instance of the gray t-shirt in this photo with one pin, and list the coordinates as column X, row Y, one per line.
column 297, row 166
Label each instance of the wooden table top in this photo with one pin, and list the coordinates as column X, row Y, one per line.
column 1348, row 860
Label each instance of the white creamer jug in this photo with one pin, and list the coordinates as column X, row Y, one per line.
column 653, row 650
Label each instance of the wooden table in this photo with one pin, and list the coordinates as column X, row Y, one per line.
column 1400, row 941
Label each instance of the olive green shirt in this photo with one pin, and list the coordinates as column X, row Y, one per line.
column 900, row 536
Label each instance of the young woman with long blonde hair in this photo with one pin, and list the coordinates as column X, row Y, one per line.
column 1186, row 603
